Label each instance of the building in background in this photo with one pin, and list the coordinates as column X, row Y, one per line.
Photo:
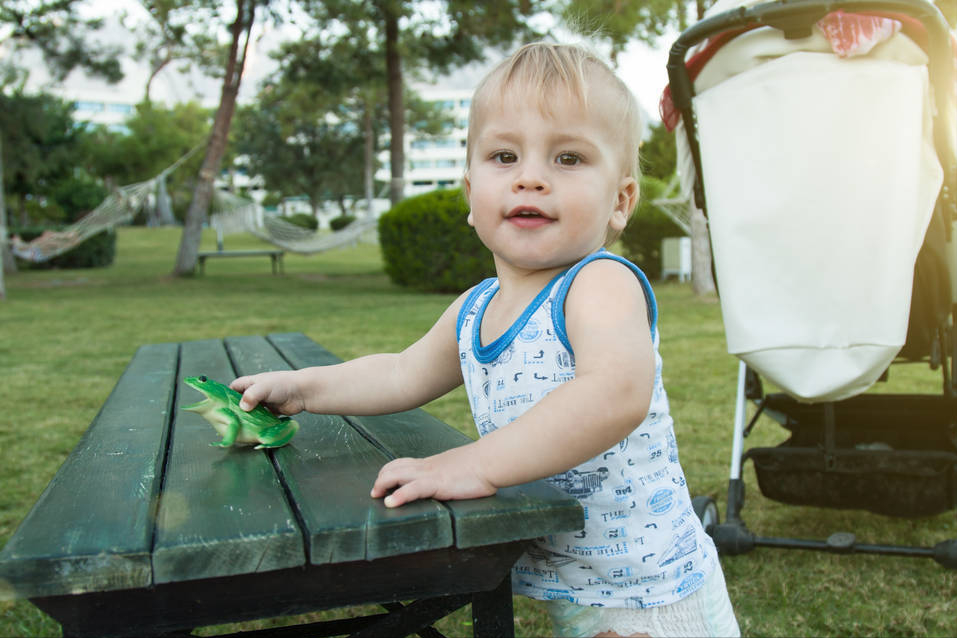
column 435, row 162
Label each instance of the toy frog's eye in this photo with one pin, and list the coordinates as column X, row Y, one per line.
column 203, row 379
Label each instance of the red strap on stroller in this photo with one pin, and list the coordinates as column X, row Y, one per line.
column 666, row 107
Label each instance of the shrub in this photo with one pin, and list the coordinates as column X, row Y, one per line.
column 271, row 199
column 78, row 195
column 305, row 220
column 427, row 244
column 97, row 251
column 641, row 239
column 44, row 210
column 340, row 222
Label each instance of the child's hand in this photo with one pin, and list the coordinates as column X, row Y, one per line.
column 447, row 476
column 276, row 390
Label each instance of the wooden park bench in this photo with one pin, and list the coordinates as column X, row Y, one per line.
column 148, row 530
column 275, row 255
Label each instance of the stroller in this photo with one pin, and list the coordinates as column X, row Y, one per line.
column 833, row 249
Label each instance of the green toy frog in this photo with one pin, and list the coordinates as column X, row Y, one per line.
column 235, row 425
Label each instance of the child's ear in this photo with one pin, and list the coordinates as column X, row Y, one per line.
column 627, row 200
column 467, row 190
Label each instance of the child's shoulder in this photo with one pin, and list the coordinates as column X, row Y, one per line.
column 603, row 279
column 609, row 261
column 604, row 272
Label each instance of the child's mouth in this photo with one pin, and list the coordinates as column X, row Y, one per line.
column 526, row 217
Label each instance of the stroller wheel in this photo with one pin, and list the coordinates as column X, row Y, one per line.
column 707, row 511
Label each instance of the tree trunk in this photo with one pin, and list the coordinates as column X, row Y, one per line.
column 702, row 279
column 9, row 263
column 159, row 67
column 164, row 206
column 369, row 160
column 203, row 192
column 393, row 65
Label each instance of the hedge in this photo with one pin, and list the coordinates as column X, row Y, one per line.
column 303, row 220
column 340, row 222
column 97, row 251
column 427, row 244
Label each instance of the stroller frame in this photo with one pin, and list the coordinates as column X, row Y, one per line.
column 825, row 446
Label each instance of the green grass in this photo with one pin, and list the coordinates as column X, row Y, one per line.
column 66, row 336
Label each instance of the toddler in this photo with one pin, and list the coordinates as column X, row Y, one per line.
column 559, row 356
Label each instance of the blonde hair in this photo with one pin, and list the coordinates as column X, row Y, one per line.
column 547, row 69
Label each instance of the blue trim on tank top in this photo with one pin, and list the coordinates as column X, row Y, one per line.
column 558, row 303
column 491, row 352
column 469, row 302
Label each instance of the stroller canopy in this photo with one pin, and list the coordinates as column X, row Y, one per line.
column 818, row 160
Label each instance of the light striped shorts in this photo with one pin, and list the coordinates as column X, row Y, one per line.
column 706, row 612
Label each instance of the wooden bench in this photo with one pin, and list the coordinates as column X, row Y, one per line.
column 274, row 255
column 146, row 529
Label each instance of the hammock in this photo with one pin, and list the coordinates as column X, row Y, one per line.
column 235, row 214
column 676, row 205
column 119, row 207
column 230, row 214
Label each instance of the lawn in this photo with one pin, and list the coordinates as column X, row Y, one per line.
column 65, row 337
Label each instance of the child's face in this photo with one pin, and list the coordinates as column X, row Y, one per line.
column 546, row 188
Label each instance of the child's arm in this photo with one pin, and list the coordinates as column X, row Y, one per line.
column 374, row 384
column 607, row 326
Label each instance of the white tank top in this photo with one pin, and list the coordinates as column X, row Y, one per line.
column 642, row 544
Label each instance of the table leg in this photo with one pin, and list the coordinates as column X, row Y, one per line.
column 403, row 620
column 492, row 614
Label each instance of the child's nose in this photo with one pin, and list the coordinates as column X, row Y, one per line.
column 530, row 178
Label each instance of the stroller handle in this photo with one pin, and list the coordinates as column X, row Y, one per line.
column 795, row 18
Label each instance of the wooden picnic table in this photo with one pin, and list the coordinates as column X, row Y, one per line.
column 147, row 530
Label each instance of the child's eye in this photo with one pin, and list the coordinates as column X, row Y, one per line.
column 505, row 157
column 568, row 159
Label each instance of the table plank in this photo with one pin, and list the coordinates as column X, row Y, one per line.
column 222, row 511
column 99, row 538
column 520, row 511
column 502, row 518
column 301, row 351
column 329, row 469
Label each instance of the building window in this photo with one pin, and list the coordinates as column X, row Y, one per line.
column 423, row 144
column 92, row 107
